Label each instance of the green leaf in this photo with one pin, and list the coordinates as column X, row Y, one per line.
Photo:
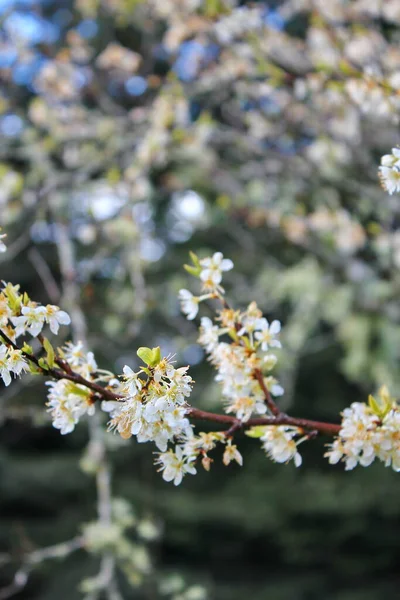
column 150, row 356
column 256, row 432
column 50, row 354
column 14, row 300
column 195, row 259
column 195, row 271
column 43, row 364
column 34, row 370
column 27, row 348
column 374, row 404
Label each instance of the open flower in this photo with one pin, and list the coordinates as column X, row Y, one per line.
column 189, row 304
column 390, row 179
column 209, row 334
column 175, row 465
column 56, row 317
column 31, row 320
column 212, row 269
column 267, row 334
column 280, row 445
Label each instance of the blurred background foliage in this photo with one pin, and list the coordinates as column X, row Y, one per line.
column 142, row 130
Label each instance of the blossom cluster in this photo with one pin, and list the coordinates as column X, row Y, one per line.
column 280, row 442
column 69, row 401
column 153, row 401
column 369, row 431
column 176, row 463
column 19, row 316
column 389, row 171
column 250, row 337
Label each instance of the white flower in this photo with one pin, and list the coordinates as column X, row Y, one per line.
column 81, row 361
column 180, row 386
column 251, row 319
column 67, row 403
column 212, row 269
column 31, row 320
column 278, row 442
column 391, row 160
column 56, row 317
column 132, row 382
column 390, row 179
column 208, row 334
column 175, row 465
column 127, row 416
column 11, row 361
column 189, row 304
column 267, row 334
column 365, row 435
column 245, row 406
column 4, row 367
column 16, row 361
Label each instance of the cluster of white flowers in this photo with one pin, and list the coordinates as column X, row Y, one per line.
column 389, row 171
column 33, row 318
column 174, row 464
column 210, row 271
column 369, row 431
column 19, row 316
column 153, row 407
column 280, row 445
column 11, row 361
column 69, row 401
column 250, row 335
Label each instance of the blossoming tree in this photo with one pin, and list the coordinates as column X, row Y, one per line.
column 234, row 129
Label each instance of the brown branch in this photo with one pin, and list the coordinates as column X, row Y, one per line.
column 276, row 411
column 283, row 419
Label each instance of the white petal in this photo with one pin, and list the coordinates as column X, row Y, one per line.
column 226, row 264
column 63, row 318
column 275, row 327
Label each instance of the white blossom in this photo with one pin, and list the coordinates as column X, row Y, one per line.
column 280, row 445
column 267, row 334
column 212, row 269
column 174, row 465
column 390, row 179
column 389, row 171
column 81, row 361
column 67, row 403
column 154, row 411
column 189, row 304
column 32, row 320
column 209, row 334
column 366, row 435
column 132, row 383
column 56, row 317
column 11, row 361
